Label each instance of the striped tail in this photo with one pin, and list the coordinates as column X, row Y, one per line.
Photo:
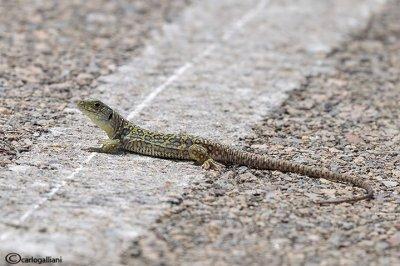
column 262, row 162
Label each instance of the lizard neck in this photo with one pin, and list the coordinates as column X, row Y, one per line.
column 117, row 125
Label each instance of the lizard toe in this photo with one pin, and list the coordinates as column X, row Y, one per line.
column 210, row 164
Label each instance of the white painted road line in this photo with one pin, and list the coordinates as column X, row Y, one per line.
column 146, row 102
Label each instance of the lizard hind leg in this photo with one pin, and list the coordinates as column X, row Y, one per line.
column 200, row 154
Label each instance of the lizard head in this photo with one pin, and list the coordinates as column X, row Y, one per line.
column 100, row 114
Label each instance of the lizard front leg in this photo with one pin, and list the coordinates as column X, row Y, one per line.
column 108, row 146
column 200, row 154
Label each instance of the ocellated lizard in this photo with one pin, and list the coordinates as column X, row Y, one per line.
column 124, row 135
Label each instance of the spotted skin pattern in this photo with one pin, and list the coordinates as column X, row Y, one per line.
column 124, row 135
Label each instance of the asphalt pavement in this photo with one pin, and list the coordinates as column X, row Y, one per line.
column 217, row 69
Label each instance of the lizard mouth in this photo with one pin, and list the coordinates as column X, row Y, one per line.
column 80, row 104
column 85, row 108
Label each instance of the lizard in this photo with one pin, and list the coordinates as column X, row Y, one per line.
column 124, row 135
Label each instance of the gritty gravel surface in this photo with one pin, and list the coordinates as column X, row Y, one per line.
column 52, row 51
column 57, row 201
column 346, row 120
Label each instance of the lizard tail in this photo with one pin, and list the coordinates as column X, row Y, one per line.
column 261, row 162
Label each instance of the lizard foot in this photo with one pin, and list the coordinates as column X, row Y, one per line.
column 210, row 164
column 109, row 146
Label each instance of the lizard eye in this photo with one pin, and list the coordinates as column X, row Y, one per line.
column 110, row 116
column 97, row 105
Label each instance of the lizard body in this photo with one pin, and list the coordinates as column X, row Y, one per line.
column 124, row 135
